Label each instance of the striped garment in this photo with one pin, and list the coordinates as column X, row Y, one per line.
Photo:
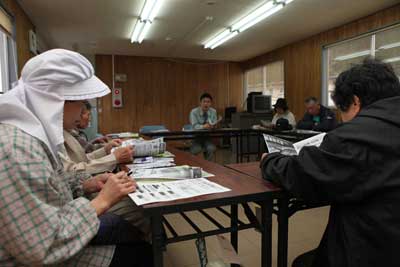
column 44, row 218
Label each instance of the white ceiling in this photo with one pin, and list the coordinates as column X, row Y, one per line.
column 104, row 26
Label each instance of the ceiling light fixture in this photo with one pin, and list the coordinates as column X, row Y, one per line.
column 146, row 18
column 259, row 14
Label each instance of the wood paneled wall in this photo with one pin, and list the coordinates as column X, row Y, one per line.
column 163, row 91
column 303, row 72
column 23, row 24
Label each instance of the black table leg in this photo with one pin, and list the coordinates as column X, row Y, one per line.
column 283, row 228
column 157, row 240
column 266, row 232
column 237, row 148
column 234, row 233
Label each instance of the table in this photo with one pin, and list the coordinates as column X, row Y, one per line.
column 285, row 208
column 192, row 134
column 244, row 189
column 236, row 133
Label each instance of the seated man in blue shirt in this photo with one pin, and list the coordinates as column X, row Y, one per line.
column 203, row 117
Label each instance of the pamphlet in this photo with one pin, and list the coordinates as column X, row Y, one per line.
column 166, row 191
column 145, row 148
column 275, row 144
column 177, row 172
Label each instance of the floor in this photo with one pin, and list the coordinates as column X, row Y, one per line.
column 305, row 231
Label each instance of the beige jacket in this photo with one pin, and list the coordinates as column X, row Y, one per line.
column 77, row 160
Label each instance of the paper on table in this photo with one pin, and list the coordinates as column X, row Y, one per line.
column 177, row 172
column 166, row 191
column 157, row 163
column 166, row 154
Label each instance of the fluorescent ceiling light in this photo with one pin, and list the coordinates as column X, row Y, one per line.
column 223, row 40
column 388, row 46
column 390, row 60
column 260, row 18
column 146, row 18
column 246, row 22
column 354, row 55
column 216, row 39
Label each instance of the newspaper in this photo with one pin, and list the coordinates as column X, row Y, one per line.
column 177, row 172
column 173, row 190
column 145, row 148
column 151, row 162
column 123, row 135
column 275, row 144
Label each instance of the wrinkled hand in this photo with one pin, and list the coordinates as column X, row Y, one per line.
column 116, row 187
column 117, row 141
column 100, row 140
column 110, row 145
column 96, row 183
column 124, row 154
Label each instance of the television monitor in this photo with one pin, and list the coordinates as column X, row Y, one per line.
column 260, row 103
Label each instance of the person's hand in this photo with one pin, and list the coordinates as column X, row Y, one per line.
column 117, row 186
column 110, row 145
column 207, row 126
column 124, row 154
column 117, row 141
column 100, row 140
column 264, row 156
column 96, row 183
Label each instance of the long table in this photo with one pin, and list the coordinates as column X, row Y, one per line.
column 244, row 189
column 286, row 206
column 236, row 133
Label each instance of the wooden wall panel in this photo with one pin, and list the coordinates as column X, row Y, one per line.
column 23, row 24
column 163, row 91
column 303, row 72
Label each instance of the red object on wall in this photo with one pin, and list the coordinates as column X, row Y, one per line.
column 117, row 98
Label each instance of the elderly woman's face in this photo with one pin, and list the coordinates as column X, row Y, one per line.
column 72, row 114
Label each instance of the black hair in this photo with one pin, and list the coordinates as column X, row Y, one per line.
column 311, row 99
column 206, row 95
column 370, row 81
column 88, row 106
column 281, row 103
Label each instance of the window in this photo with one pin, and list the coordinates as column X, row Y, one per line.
column 268, row 79
column 8, row 52
column 4, row 81
column 383, row 44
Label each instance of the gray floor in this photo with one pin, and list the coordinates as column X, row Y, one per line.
column 305, row 231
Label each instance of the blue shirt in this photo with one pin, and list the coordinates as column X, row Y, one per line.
column 198, row 118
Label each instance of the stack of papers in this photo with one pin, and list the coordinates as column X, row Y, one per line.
column 167, row 191
column 151, row 162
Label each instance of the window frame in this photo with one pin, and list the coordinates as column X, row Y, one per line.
column 325, row 57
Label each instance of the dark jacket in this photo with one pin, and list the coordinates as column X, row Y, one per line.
column 327, row 121
column 357, row 170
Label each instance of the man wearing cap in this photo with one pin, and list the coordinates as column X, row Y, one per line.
column 45, row 218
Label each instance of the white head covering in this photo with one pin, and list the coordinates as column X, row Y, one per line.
column 36, row 104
